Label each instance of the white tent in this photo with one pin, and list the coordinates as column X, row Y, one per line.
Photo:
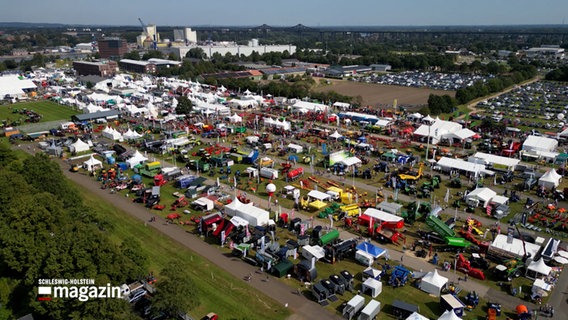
column 91, row 164
column 253, row 215
column 131, row 135
column 136, row 159
column 449, row 315
column 538, row 143
column 318, row 195
column 235, row 118
column 481, row 195
column 537, row 268
column 111, row 133
column 335, row 135
column 373, row 286
column 79, row 146
column 551, row 179
column 433, row 283
column 416, row 316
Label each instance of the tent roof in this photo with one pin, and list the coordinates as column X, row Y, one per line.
column 449, row 315
column 315, row 251
column 371, row 249
column 373, row 283
column 335, row 135
column 319, row 195
column 494, row 159
column 350, row 161
column 462, row 165
column 484, row 194
column 92, row 161
column 540, row 267
column 435, row 278
column 382, row 216
column 540, row 143
column 516, row 247
column 550, row 176
column 416, row 316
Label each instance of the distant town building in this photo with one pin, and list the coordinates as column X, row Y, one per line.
column 105, row 68
column 84, row 47
column 342, row 71
column 546, row 51
column 381, row 67
column 137, row 66
column 112, row 47
column 20, row 52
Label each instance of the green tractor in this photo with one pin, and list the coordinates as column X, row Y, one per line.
column 456, row 182
column 509, row 270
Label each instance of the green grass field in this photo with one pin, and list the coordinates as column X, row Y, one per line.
column 219, row 291
column 49, row 111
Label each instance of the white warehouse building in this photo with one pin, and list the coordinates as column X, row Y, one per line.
column 231, row 48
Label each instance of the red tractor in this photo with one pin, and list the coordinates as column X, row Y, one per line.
column 464, row 266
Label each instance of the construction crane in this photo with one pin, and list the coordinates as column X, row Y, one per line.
column 154, row 41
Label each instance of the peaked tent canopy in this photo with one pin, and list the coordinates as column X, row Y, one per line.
column 449, row 315
column 433, row 283
column 537, row 268
column 551, row 179
column 79, row 146
column 136, row 159
column 416, row 316
column 91, row 164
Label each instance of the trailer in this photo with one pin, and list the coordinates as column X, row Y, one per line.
column 251, row 157
column 347, row 278
column 269, row 173
column 328, row 238
column 320, row 293
column 370, row 311
column 339, row 283
column 294, row 173
column 439, row 227
column 353, row 306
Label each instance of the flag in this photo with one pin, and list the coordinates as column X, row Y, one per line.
column 447, row 197
column 330, row 221
column 370, row 226
column 292, row 214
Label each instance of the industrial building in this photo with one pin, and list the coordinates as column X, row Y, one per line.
column 98, row 68
column 112, row 47
column 546, row 51
column 230, row 47
column 185, row 35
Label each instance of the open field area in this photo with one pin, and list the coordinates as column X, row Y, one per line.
column 381, row 95
column 48, row 110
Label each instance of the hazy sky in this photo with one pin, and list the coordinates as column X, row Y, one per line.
column 287, row 12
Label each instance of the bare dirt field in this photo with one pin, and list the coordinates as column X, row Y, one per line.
column 382, row 95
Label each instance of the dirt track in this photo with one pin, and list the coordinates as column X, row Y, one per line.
column 377, row 95
column 302, row 307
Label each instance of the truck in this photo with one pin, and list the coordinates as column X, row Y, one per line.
column 370, row 311
column 200, row 165
column 353, row 306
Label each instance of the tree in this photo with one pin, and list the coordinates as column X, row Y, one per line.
column 184, row 106
column 133, row 55
column 175, row 292
column 196, row 53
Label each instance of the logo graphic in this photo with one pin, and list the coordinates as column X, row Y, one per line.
column 80, row 289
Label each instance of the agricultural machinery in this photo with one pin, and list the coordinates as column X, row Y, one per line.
column 509, row 270
column 464, row 266
column 399, row 276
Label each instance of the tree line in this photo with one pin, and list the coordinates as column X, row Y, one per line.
column 47, row 232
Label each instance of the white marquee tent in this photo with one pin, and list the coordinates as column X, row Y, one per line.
column 483, row 195
column 416, row 316
column 91, row 164
column 449, row 315
column 131, row 135
column 112, row 134
column 538, row 143
column 433, row 283
column 551, row 179
column 136, row 159
column 373, row 286
column 79, row 146
column 538, row 268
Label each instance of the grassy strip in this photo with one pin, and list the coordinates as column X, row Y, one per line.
column 219, row 291
column 50, row 111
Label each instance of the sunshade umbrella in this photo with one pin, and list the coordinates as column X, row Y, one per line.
column 561, row 210
column 551, row 207
column 563, row 253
